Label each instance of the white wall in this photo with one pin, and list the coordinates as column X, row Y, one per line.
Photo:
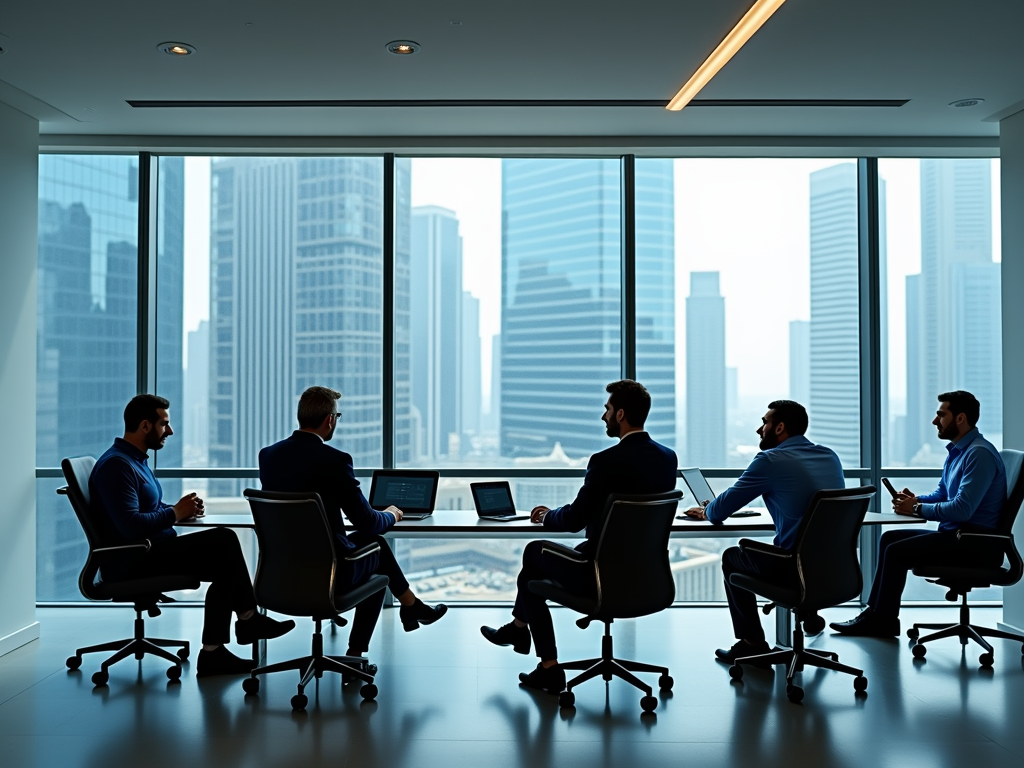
column 19, row 149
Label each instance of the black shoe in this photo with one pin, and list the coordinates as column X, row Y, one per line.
column 420, row 613
column 509, row 634
column 363, row 665
column 260, row 627
column 550, row 680
column 222, row 662
column 868, row 624
column 741, row 649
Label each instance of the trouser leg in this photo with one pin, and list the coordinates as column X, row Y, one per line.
column 746, row 620
column 885, row 577
column 368, row 611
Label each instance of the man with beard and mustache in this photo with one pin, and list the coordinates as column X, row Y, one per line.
column 128, row 506
column 971, row 495
column 635, row 465
column 787, row 473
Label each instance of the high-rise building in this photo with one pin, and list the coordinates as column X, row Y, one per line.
column 705, row 372
column 195, row 433
column 472, row 404
column 561, row 318
column 800, row 361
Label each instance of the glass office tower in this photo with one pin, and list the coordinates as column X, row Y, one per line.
column 705, row 372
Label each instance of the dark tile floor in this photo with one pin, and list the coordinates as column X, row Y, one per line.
column 447, row 698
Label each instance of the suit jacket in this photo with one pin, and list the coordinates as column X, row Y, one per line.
column 635, row 465
column 304, row 462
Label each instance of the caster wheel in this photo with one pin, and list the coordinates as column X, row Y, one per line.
column 814, row 626
column 299, row 702
column 665, row 682
column 919, row 651
column 183, row 654
column 648, row 703
column 1022, row 650
column 567, row 699
column 74, row 662
column 795, row 693
column 100, row 678
column 736, row 672
column 368, row 692
column 913, row 633
column 251, row 686
column 986, row 659
column 860, row 683
column 174, row 673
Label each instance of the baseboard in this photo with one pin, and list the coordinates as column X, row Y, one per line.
column 1009, row 628
column 19, row 638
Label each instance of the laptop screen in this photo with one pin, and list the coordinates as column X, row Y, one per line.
column 410, row 492
column 698, row 486
column 493, row 499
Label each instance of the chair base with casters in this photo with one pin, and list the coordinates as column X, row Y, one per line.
column 607, row 666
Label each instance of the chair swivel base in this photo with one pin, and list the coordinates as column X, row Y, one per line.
column 795, row 659
column 963, row 630
column 137, row 646
column 607, row 667
column 313, row 667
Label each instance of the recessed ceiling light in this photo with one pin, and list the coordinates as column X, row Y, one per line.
column 177, row 49
column 961, row 103
column 403, row 47
column 455, row 23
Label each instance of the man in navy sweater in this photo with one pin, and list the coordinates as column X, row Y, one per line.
column 128, row 506
column 635, row 465
column 304, row 462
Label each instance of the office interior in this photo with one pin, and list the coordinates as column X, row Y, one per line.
column 833, row 134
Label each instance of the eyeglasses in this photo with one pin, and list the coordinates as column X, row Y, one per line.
column 336, row 415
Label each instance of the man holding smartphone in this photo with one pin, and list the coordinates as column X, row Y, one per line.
column 971, row 494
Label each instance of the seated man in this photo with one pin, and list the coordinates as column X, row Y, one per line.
column 787, row 473
column 128, row 505
column 635, row 465
column 305, row 463
column 971, row 494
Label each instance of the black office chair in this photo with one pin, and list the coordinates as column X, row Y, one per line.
column 632, row 577
column 143, row 593
column 828, row 574
column 295, row 576
column 959, row 581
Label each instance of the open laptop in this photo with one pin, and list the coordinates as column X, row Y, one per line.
column 702, row 492
column 411, row 490
column 494, row 502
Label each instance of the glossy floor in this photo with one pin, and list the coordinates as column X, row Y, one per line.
column 447, row 698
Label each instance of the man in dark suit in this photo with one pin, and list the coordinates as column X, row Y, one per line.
column 305, row 463
column 635, row 465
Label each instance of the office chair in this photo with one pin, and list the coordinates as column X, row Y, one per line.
column 295, row 576
column 632, row 577
column 828, row 574
column 143, row 593
column 960, row 580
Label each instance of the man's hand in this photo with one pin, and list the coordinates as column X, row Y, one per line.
column 188, row 506
column 395, row 512
column 537, row 514
column 697, row 513
column 903, row 503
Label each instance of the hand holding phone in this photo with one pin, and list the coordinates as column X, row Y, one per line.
column 888, row 487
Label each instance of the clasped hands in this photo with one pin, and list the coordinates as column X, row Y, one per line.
column 903, row 503
column 188, row 507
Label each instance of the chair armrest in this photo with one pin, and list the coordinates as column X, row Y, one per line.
column 63, row 491
column 362, row 552
column 965, row 534
column 143, row 545
column 566, row 553
column 763, row 549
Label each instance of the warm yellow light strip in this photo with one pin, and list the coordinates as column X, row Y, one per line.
column 758, row 14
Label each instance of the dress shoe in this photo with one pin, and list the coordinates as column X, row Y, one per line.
column 742, row 648
column 222, row 662
column 259, row 626
column 420, row 613
column 365, row 666
column 550, row 679
column 868, row 624
column 509, row 634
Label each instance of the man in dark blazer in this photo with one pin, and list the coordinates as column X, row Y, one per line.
column 305, row 462
column 635, row 465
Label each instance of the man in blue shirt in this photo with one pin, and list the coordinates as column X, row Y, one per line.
column 128, row 506
column 971, row 494
column 787, row 473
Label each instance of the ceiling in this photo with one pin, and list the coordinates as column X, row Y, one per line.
column 75, row 65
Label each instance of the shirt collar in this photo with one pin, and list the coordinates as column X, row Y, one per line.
column 791, row 442
column 630, row 434
column 125, row 447
column 961, row 445
column 302, row 435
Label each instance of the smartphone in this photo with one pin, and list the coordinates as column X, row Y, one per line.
column 888, row 486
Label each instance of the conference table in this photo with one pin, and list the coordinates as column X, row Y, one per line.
column 464, row 523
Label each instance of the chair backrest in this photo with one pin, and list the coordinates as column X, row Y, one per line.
column 826, row 546
column 634, row 577
column 1012, row 461
column 76, row 473
column 297, row 564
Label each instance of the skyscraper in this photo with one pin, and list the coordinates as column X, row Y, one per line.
column 800, row 361
column 195, row 434
column 472, row 404
column 705, row 372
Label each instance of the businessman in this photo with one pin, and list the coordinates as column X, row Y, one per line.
column 786, row 473
column 304, row 462
column 971, row 495
column 128, row 504
column 635, row 465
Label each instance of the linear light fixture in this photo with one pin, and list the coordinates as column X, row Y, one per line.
column 758, row 14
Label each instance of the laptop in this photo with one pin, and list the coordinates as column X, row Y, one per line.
column 494, row 502
column 411, row 490
column 702, row 492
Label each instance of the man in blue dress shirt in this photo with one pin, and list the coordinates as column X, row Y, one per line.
column 787, row 473
column 971, row 494
column 128, row 506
